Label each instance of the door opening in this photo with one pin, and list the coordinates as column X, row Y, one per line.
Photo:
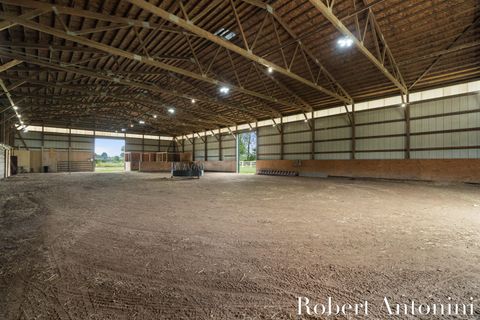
column 247, row 152
column 109, row 155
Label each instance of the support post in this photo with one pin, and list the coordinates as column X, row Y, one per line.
column 205, row 146
column 354, row 144
column 193, row 148
column 256, row 140
column 220, row 152
column 69, row 148
column 281, row 138
column 407, row 127
column 312, row 129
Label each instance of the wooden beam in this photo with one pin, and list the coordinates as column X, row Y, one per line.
column 10, row 64
column 189, row 26
column 327, row 13
column 29, row 15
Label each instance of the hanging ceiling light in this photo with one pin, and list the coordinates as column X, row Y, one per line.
column 193, row 100
column 224, row 90
column 270, row 70
column 345, row 42
column 171, row 110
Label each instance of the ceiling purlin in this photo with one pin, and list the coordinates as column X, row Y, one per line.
column 450, row 46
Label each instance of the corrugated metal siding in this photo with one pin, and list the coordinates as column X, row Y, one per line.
column 199, row 149
column 2, row 163
column 459, row 116
column 229, row 147
column 268, row 143
column 448, row 127
column 133, row 145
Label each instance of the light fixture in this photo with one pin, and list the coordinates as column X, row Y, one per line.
column 19, row 116
column 345, row 42
column 306, row 120
column 131, row 126
column 15, row 108
column 193, row 100
column 171, row 110
column 274, row 125
column 403, row 105
column 270, row 70
column 123, row 129
column 155, row 116
column 141, row 122
column 224, row 90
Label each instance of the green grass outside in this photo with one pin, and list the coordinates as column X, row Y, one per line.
column 109, row 164
column 109, row 169
column 247, row 170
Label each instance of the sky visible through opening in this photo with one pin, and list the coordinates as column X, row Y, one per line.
column 113, row 147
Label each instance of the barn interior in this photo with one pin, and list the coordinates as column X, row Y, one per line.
column 270, row 150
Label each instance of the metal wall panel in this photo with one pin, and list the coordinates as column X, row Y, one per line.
column 330, row 134
column 199, row 149
column 332, row 156
column 229, row 147
column 2, row 163
column 188, row 147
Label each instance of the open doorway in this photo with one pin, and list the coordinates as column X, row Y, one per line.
column 109, row 155
column 247, row 152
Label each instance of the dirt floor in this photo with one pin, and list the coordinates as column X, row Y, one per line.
column 140, row 246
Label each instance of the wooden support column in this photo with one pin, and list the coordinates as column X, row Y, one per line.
column 193, row 148
column 354, row 144
column 183, row 145
column 281, row 138
column 312, row 130
column 143, row 144
column 69, row 149
column 220, row 152
column 205, row 147
column 256, row 140
column 407, row 128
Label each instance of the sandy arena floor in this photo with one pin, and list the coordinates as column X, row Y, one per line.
column 140, row 246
